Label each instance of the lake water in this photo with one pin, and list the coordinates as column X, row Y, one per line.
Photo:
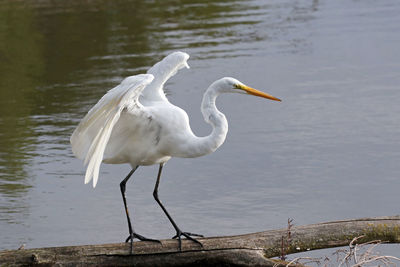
column 329, row 151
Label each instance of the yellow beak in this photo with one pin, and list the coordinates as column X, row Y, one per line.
column 255, row 92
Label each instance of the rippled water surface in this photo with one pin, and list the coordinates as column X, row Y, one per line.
column 329, row 151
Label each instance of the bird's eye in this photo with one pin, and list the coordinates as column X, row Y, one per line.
column 237, row 86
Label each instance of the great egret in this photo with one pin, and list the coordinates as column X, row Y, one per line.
column 135, row 123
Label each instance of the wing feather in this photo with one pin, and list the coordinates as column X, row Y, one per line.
column 90, row 138
column 162, row 71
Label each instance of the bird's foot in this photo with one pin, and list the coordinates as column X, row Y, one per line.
column 188, row 235
column 141, row 238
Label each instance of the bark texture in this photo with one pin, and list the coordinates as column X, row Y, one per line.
column 253, row 249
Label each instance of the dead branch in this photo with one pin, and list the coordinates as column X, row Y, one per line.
column 253, row 249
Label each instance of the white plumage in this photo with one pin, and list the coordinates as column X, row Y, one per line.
column 92, row 135
column 119, row 117
column 135, row 123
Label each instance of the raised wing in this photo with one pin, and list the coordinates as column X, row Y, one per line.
column 90, row 138
column 162, row 71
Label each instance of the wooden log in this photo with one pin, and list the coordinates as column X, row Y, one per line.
column 253, row 249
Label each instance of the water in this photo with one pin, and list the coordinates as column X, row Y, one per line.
column 329, row 151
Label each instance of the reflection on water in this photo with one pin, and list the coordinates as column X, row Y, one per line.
column 332, row 63
column 49, row 50
column 57, row 58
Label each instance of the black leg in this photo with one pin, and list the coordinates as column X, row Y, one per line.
column 179, row 233
column 132, row 233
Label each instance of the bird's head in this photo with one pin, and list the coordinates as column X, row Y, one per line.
column 231, row 85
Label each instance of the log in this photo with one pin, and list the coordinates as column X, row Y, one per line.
column 253, row 249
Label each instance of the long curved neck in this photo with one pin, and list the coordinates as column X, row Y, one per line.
column 214, row 117
column 199, row 146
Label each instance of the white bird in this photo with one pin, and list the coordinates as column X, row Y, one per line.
column 135, row 123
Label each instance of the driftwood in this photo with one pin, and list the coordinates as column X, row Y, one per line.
column 254, row 249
